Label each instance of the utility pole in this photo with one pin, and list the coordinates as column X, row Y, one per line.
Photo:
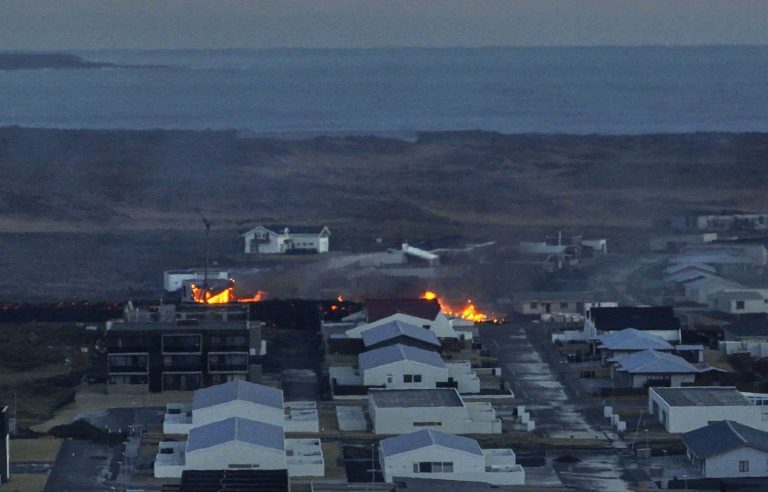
column 207, row 223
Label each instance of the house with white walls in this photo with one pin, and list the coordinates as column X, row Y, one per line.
column 743, row 301
column 239, row 443
column 241, row 399
column 403, row 411
column 728, row 449
column 283, row 239
column 691, row 407
column 439, row 455
column 640, row 369
column 655, row 320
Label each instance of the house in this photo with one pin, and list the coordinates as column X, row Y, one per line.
column 725, row 253
column 440, row 325
column 748, row 335
column 616, row 344
column 5, row 447
column 655, row 320
column 181, row 355
column 404, row 367
column 174, row 280
column 241, row 399
column 404, row 411
column 538, row 303
column 239, row 443
column 720, row 222
column 684, row 272
column 744, row 301
column 679, row 267
column 700, row 290
column 728, row 449
column 282, row 239
column 677, row 242
column 649, row 367
column 399, row 332
column 687, row 408
column 439, row 455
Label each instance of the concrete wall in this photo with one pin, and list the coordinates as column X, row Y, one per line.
column 236, row 453
column 726, row 465
column 391, row 375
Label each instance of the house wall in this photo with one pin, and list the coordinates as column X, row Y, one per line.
column 236, row 453
column 536, row 307
column 751, row 306
column 238, row 408
column 380, row 376
column 756, row 348
column 726, row 465
column 684, row 419
column 454, row 420
column 466, row 466
column 676, row 380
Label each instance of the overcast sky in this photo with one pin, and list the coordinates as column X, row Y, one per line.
column 81, row 24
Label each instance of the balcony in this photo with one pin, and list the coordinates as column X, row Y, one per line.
column 128, row 369
column 228, row 367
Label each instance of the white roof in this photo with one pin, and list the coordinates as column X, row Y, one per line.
column 394, row 329
column 236, row 429
column 632, row 339
column 651, row 361
column 238, row 390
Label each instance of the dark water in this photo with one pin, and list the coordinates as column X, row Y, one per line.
column 399, row 91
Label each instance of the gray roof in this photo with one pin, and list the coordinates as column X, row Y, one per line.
column 292, row 229
column 632, row 339
column 394, row 329
column 651, row 361
column 420, row 439
column 399, row 352
column 723, row 436
column 238, row 390
column 418, row 398
column 703, row 396
column 191, row 326
column 236, row 429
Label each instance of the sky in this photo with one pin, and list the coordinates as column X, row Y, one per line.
column 158, row 24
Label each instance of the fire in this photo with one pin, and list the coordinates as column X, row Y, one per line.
column 225, row 296
column 469, row 311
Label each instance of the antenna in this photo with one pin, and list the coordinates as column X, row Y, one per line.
column 207, row 223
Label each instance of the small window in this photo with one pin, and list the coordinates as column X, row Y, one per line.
column 739, row 304
column 534, row 305
column 415, row 468
column 425, row 467
column 448, row 467
column 744, row 466
column 407, row 378
column 417, row 378
column 563, row 305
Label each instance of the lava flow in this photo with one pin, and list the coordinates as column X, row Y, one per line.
column 469, row 311
column 224, row 296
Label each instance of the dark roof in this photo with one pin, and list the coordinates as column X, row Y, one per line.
column 747, row 327
column 640, row 318
column 723, row 436
column 443, row 397
column 234, row 480
column 405, row 443
column 190, row 325
column 420, row 308
column 702, row 396
column 396, row 329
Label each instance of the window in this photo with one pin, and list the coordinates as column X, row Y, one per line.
column 563, row 305
column 389, row 379
column 427, row 424
column 433, row 467
column 744, row 466
column 739, row 304
column 417, row 378
column 534, row 305
column 407, row 378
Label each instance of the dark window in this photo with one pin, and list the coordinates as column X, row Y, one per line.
column 425, row 467
column 407, row 378
column 417, row 378
column 743, row 466
column 739, row 304
column 563, row 305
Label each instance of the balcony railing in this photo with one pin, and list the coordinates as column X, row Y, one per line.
column 228, row 367
column 127, row 369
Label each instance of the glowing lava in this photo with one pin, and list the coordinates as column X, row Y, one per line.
column 225, row 296
column 469, row 311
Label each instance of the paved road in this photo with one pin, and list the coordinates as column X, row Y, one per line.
column 560, row 403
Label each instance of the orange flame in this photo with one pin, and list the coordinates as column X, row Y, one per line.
column 469, row 311
column 226, row 296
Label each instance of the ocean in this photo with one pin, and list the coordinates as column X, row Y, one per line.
column 400, row 91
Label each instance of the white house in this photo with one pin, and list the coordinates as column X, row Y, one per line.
column 616, row 344
column 282, row 239
column 239, row 443
column 441, row 326
column 241, row 399
column 749, row 335
column 438, row 455
column 687, row 408
column 728, row 449
column 655, row 320
column 744, row 301
column 403, row 411
column 174, row 280
column 395, row 332
column 700, row 290
column 640, row 369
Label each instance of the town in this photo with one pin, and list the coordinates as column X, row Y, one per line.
column 647, row 372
